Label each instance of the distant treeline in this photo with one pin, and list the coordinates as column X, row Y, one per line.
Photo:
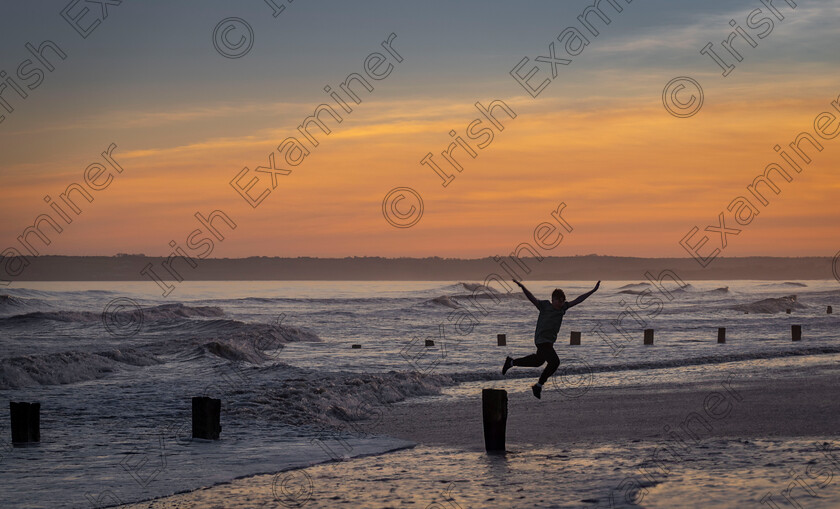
column 573, row 268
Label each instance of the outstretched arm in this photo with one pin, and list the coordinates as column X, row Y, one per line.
column 585, row 295
column 528, row 294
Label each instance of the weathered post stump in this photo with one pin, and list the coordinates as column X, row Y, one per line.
column 206, row 414
column 574, row 339
column 355, row 347
column 501, row 339
column 430, row 342
column 828, row 310
column 721, row 334
column 648, row 336
column 494, row 407
column 26, row 422
column 795, row 332
column 787, row 311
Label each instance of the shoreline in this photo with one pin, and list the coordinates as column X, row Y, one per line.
column 733, row 408
column 621, row 425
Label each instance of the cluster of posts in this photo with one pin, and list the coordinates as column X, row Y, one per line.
column 26, row 420
column 494, row 401
column 206, row 412
column 574, row 339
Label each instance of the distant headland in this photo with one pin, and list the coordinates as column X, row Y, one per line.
column 128, row 267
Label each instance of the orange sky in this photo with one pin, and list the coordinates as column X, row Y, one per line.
column 635, row 179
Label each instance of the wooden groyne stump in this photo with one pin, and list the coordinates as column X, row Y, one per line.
column 206, row 414
column 26, row 422
column 494, row 408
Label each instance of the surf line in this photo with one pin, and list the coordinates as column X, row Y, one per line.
column 201, row 242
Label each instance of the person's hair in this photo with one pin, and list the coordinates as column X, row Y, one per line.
column 558, row 294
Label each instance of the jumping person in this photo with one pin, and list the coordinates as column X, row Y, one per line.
column 548, row 325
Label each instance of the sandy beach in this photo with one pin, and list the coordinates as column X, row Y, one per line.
column 798, row 407
column 735, row 443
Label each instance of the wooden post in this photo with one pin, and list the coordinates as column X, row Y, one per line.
column 501, row 339
column 205, row 418
column 795, row 332
column 356, row 346
column 787, row 311
column 721, row 334
column 494, row 408
column 574, row 339
column 26, row 422
column 648, row 336
column 828, row 310
column 430, row 342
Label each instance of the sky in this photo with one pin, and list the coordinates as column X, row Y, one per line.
column 635, row 179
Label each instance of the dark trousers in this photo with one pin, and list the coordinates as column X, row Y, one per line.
column 545, row 353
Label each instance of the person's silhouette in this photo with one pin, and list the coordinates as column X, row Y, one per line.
column 548, row 325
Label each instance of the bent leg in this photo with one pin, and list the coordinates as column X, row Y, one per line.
column 534, row 360
column 553, row 363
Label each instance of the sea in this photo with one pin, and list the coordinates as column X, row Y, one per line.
column 303, row 369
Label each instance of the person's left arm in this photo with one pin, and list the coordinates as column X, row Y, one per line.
column 585, row 295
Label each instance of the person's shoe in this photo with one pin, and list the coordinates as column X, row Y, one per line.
column 508, row 365
column 537, row 389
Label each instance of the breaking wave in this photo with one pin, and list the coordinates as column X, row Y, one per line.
column 444, row 300
column 67, row 367
column 633, row 286
column 772, row 305
column 333, row 399
column 166, row 312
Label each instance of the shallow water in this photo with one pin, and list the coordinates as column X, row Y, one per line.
column 714, row 474
column 115, row 394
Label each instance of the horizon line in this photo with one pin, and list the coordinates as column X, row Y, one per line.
column 490, row 256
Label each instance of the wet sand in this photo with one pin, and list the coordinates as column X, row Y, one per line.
column 737, row 442
column 789, row 407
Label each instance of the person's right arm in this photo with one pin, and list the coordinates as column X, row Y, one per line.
column 528, row 294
